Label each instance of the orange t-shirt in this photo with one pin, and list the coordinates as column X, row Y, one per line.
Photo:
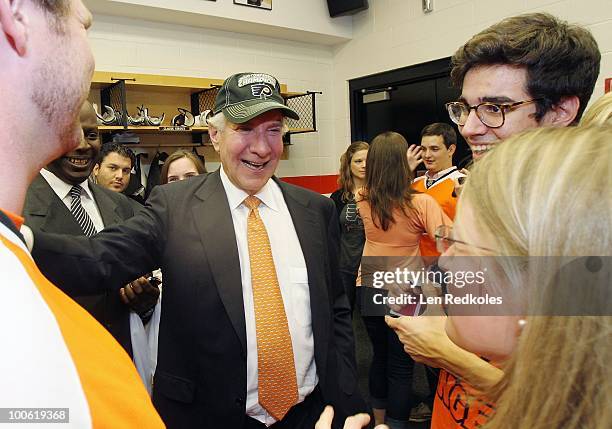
column 458, row 406
column 55, row 355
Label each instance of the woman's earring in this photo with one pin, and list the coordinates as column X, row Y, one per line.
column 522, row 323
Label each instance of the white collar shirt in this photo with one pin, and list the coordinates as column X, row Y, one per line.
column 439, row 173
column 293, row 281
column 62, row 190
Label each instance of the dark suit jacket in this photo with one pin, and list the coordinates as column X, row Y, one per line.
column 186, row 228
column 44, row 211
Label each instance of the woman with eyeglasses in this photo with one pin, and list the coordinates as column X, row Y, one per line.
column 544, row 194
column 542, row 198
column 395, row 217
column 352, row 236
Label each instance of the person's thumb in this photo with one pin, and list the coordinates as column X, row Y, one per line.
column 392, row 322
column 326, row 418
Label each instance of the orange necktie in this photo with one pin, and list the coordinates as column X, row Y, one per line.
column 277, row 380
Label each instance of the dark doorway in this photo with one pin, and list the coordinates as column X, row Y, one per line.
column 417, row 95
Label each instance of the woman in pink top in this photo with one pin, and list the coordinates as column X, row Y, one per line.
column 395, row 217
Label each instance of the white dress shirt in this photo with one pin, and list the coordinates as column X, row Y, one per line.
column 62, row 190
column 293, row 281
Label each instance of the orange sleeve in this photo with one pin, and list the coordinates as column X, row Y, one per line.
column 115, row 394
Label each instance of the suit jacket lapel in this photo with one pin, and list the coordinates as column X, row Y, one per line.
column 213, row 219
column 47, row 212
column 106, row 206
column 309, row 232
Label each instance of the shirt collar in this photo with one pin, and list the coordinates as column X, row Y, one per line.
column 439, row 173
column 268, row 194
column 61, row 188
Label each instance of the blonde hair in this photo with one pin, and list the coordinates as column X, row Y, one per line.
column 600, row 112
column 548, row 192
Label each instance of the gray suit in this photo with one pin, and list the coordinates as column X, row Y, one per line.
column 44, row 211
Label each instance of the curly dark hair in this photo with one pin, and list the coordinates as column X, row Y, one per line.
column 561, row 59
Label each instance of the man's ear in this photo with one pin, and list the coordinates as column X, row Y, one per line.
column 563, row 113
column 451, row 149
column 96, row 169
column 12, row 26
column 215, row 135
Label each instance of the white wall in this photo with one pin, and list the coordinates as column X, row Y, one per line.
column 305, row 19
column 129, row 45
column 391, row 34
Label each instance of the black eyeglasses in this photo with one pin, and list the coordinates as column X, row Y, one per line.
column 493, row 115
column 444, row 240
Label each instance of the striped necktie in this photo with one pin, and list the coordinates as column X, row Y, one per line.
column 79, row 212
column 277, row 381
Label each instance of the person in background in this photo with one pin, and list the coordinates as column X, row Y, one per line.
column 352, row 236
column 62, row 200
column 438, row 145
column 54, row 354
column 181, row 165
column 113, row 167
column 394, row 217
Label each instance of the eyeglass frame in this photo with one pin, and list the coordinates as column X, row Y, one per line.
column 504, row 107
column 438, row 236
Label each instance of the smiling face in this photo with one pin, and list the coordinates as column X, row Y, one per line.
column 497, row 84
column 436, row 156
column 250, row 152
column 75, row 166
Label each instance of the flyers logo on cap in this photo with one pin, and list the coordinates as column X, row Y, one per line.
column 261, row 90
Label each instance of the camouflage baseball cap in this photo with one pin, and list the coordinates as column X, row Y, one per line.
column 244, row 96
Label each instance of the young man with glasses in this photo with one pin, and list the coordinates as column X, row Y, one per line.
column 523, row 72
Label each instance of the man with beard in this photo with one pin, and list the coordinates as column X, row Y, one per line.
column 56, row 358
column 61, row 199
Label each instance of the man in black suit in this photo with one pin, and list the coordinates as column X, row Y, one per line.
column 48, row 208
column 215, row 354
